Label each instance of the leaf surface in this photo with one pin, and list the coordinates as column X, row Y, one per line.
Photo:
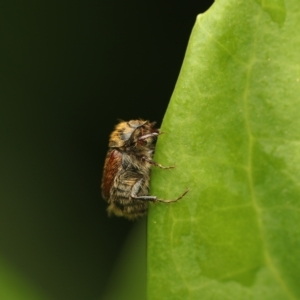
column 232, row 129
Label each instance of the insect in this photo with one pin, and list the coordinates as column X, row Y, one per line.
column 126, row 175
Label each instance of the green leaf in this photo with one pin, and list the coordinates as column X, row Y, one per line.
column 233, row 131
column 13, row 286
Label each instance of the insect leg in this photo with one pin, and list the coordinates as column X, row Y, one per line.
column 152, row 162
column 135, row 190
column 143, row 137
column 136, row 187
column 174, row 200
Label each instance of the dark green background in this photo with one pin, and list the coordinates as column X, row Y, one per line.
column 68, row 71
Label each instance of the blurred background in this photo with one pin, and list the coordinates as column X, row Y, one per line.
column 69, row 71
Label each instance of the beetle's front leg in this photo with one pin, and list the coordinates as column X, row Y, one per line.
column 143, row 137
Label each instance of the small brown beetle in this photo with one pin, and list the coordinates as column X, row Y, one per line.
column 126, row 175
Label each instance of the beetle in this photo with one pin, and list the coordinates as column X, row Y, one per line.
column 126, row 174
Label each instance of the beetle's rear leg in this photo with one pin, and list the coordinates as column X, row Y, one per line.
column 136, row 188
column 174, row 200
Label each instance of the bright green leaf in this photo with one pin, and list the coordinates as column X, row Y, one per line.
column 233, row 131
